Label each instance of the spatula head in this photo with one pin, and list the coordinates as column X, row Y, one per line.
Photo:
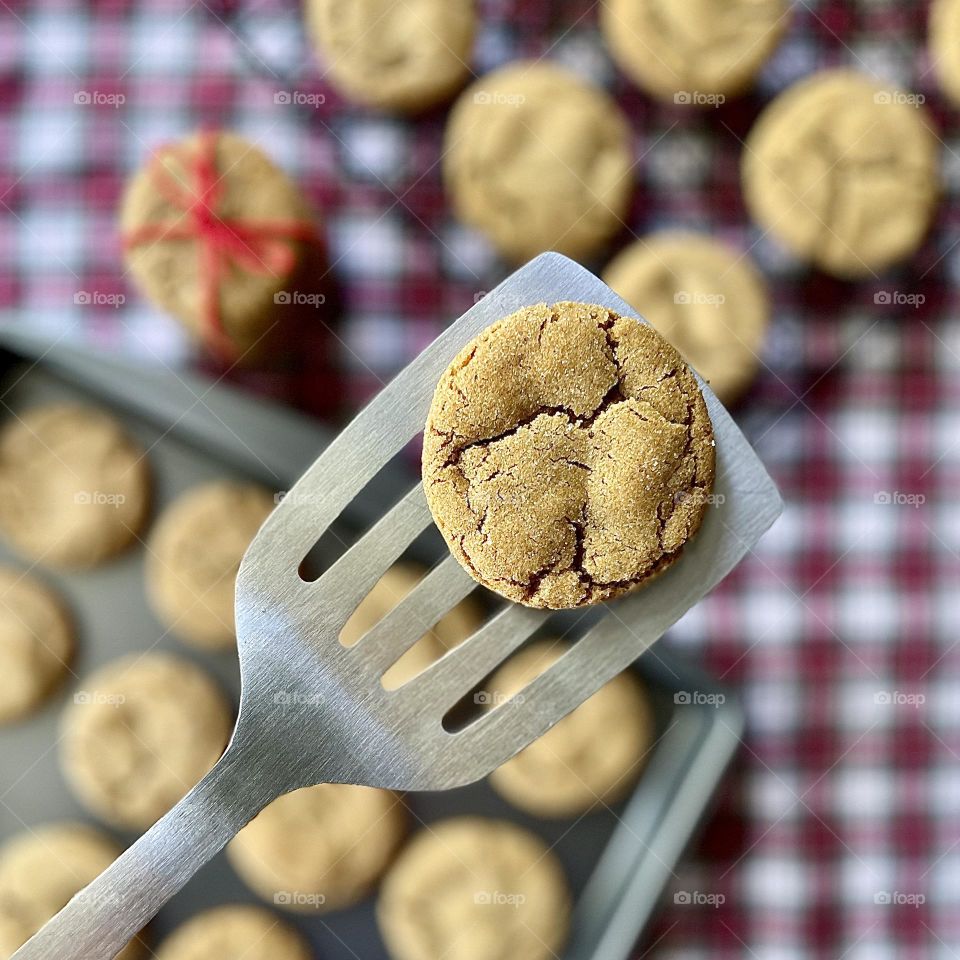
column 320, row 708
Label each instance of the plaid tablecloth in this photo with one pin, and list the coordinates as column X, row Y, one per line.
column 838, row 834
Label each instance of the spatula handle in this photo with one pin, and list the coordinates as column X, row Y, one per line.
column 101, row 919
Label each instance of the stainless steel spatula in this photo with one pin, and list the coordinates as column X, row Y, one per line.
column 313, row 711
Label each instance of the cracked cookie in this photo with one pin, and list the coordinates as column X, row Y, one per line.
column 843, row 171
column 446, row 633
column 36, row 643
column 471, row 888
column 538, row 159
column 74, row 489
column 139, row 734
column 568, row 455
column 194, row 555
column 396, row 56
column 320, row 848
column 591, row 757
column 692, row 53
column 234, row 932
column 708, row 300
column 40, row 871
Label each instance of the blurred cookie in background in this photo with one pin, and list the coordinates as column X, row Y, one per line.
column 74, row 488
column 193, row 556
column 320, row 848
column 469, row 888
column 40, row 871
column 844, row 172
column 404, row 57
column 37, row 641
column 707, row 299
column 538, row 159
column 944, row 45
column 592, row 757
column 234, row 932
column 140, row 733
column 393, row 586
column 214, row 232
column 696, row 52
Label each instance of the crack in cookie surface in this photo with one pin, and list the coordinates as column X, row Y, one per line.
column 567, row 455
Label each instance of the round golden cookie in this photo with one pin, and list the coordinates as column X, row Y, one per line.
column 944, row 29
column 234, row 932
column 171, row 263
column 193, row 557
column 538, row 159
column 404, row 57
column 567, row 455
column 591, row 757
column 706, row 299
column 74, row 488
column 474, row 889
column 40, row 870
column 389, row 590
column 36, row 643
column 843, row 172
column 320, row 848
column 693, row 51
column 140, row 733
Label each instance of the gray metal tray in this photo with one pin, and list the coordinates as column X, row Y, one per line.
column 618, row 862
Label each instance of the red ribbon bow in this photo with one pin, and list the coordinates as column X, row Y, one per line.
column 259, row 247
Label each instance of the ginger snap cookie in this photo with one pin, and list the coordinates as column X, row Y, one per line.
column 141, row 732
column 234, row 932
column 708, row 300
column 213, row 232
column 193, row 557
column 393, row 586
column 36, row 643
column 568, row 455
column 591, row 757
column 41, row 869
column 538, row 159
column 694, row 53
column 403, row 57
column 944, row 28
column 470, row 887
column 74, row 488
column 320, row 848
column 843, row 171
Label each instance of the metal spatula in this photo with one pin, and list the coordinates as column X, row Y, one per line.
column 313, row 711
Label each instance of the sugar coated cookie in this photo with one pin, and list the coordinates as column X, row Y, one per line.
column 944, row 29
column 708, row 300
column 392, row 587
column 320, row 848
column 213, row 233
column 193, row 557
column 234, row 932
column 843, row 171
column 694, row 52
column 591, row 757
column 404, row 57
column 568, row 455
column 140, row 733
column 41, row 869
column 36, row 643
column 468, row 888
column 74, row 488
column 538, row 159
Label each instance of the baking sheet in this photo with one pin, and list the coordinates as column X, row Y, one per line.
column 196, row 431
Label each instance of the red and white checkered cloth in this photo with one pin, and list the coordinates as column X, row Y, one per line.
column 838, row 834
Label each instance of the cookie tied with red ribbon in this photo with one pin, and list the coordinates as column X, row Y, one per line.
column 214, row 233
